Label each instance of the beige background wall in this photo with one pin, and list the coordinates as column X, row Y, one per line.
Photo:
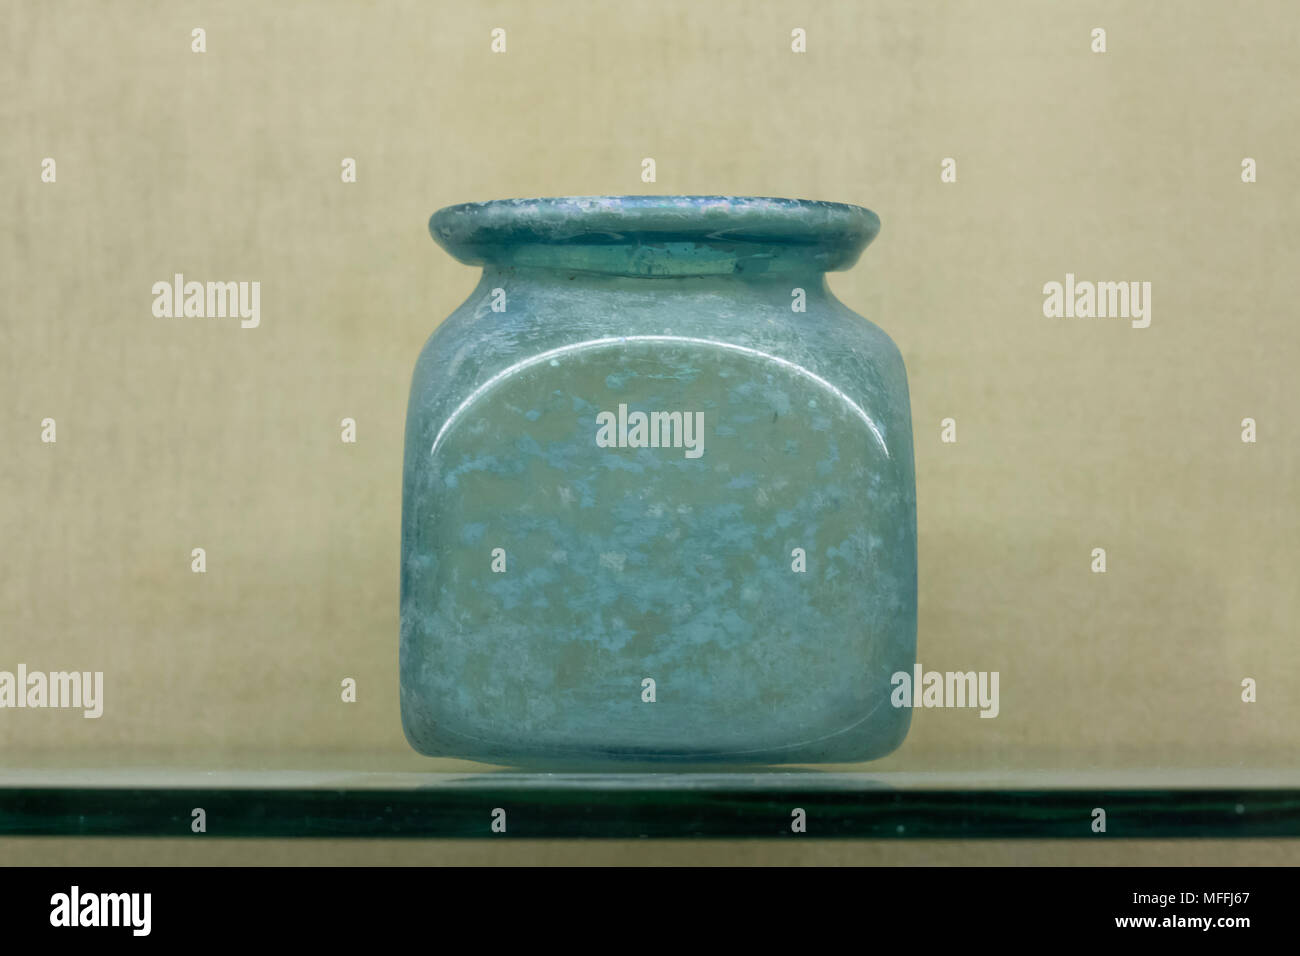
column 1072, row 433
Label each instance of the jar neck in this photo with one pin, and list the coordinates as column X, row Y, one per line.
column 778, row 283
column 666, row 260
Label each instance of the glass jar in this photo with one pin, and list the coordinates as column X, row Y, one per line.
column 658, row 496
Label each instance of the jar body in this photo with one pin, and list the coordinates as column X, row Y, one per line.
column 665, row 520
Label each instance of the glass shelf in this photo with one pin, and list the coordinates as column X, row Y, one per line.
column 363, row 799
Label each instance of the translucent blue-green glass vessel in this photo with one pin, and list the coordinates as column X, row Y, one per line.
column 658, row 499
